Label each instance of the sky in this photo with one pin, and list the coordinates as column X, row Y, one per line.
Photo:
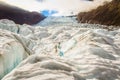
column 62, row 6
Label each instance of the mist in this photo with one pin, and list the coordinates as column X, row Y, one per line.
column 62, row 6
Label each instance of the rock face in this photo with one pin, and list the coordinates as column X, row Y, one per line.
column 81, row 52
column 108, row 14
column 18, row 15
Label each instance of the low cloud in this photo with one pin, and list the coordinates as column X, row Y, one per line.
column 62, row 6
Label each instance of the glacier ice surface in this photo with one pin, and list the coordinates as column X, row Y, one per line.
column 90, row 51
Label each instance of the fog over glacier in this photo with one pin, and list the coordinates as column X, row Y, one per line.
column 64, row 7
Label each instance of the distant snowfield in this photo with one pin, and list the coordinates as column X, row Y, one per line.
column 64, row 7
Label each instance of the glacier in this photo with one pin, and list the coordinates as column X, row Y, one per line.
column 59, row 48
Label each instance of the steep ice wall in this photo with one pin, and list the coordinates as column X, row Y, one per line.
column 15, row 45
column 24, row 33
column 12, row 52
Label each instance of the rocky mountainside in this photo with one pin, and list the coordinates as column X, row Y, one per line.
column 19, row 15
column 108, row 14
column 62, row 51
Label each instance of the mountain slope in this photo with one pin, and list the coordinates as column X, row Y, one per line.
column 108, row 14
column 18, row 15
